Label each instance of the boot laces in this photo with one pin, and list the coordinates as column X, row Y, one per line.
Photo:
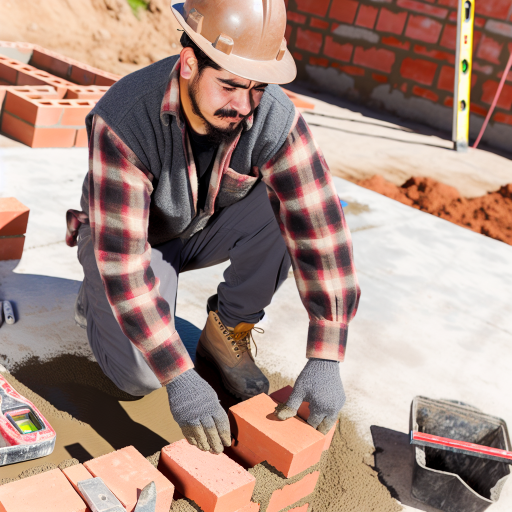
column 243, row 340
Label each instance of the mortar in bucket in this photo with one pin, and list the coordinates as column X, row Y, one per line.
column 450, row 481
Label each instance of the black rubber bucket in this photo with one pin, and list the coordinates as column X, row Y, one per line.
column 454, row 482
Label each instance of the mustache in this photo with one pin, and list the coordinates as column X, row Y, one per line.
column 227, row 112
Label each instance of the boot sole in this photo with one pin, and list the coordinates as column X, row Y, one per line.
column 201, row 351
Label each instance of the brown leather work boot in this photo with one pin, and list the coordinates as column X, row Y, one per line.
column 230, row 350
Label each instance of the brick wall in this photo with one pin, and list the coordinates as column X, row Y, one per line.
column 399, row 55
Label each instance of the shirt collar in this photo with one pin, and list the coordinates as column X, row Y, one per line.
column 171, row 101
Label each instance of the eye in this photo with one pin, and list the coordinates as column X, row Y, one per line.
column 229, row 89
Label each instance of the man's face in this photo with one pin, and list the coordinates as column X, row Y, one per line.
column 223, row 101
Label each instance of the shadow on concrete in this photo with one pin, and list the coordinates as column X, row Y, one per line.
column 77, row 451
column 315, row 91
column 394, row 461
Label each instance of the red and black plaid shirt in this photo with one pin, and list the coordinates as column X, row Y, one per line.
column 307, row 208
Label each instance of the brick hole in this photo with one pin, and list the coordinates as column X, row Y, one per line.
column 83, row 103
column 44, row 102
column 64, row 103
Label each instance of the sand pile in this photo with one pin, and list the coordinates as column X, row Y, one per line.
column 106, row 34
column 490, row 215
column 347, row 482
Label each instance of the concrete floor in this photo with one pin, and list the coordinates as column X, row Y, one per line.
column 435, row 317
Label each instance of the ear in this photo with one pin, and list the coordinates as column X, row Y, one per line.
column 188, row 63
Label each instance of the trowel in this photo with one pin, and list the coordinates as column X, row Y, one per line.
column 24, row 432
column 101, row 499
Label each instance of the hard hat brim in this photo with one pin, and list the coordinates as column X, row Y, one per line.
column 264, row 71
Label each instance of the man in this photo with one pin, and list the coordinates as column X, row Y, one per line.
column 193, row 161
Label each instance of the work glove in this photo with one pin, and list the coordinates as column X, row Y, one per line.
column 319, row 383
column 196, row 408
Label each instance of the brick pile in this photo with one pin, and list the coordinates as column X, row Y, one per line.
column 273, row 466
column 44, row 102
column 57, row 94
column 374, row 47
column 13, row 226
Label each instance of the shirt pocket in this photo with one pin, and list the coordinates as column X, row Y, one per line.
column 235, row 186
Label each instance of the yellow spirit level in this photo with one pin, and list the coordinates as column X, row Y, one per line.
column 463, row 68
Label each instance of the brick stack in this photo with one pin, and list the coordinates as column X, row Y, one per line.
column 387, row 52
column 13, row 225
column 44, row 102
column 273, row 466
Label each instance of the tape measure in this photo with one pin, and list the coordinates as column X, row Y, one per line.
column 24, row 432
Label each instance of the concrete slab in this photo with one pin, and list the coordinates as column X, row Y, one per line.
column 435, row 316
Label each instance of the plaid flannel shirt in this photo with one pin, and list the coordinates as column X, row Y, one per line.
column 307, row 208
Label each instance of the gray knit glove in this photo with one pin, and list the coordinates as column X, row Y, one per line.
column 196, row 408
column 319, row 383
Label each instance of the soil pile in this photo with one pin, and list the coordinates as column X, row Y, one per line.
column 490, row 215
column 107, row 34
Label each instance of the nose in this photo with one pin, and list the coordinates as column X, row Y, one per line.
column 242, row 102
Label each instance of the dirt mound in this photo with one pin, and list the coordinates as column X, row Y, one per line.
column 490, row 215
column 107, row 34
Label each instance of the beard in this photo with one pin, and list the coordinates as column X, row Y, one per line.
column 216, row 135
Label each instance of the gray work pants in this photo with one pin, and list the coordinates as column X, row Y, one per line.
column 246, row 233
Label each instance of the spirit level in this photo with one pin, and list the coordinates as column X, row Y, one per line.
column 463, row 69
column 24, row 432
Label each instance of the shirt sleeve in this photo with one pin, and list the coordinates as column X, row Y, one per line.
column 119, row 198
column 312, row 223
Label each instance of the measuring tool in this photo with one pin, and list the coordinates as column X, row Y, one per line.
column 476, row 450
column 463, row 69
column 24, row 432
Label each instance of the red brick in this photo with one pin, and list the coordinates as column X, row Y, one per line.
column 449, row 101
column 425, row 93
column 290, row 494
column 391, row 22
column 479, row 22
column 319, row 61
column 317, row 7
column 499, row 117
column 299, row 102
column 308, row 40
column 366, row 16
column 317, row 23
column 81, row 138
column 431, row 10
column 393, row 41
column 493, row 8
column 449, row 37
column 419, row 70
column 434, row 54
column 13, row 217
column 336, row 50
column 446, row 80
column 56, row 66
column 215, row 482
column 290, row 446
column 296, row 17
column 297, row 56
column 92, row 92
column 351, row 70
column 423, row 28
column 489, row 90
column 486, row 70
column 477, row 36
column 477, row 109
column 47, row 492
column 344, row 10
column 76, row 474
column 31, row 111
column 75, row 111
column 490, row 50
column 105, row 79
column 453, row 16
column 11, row 248
column 126, row 472
column 448, row 3
column 382, row 79
column 252, row 507
column 282, row 395
column 8, row 73
column 288, row 32
column 37, row 137
column 374, row 58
